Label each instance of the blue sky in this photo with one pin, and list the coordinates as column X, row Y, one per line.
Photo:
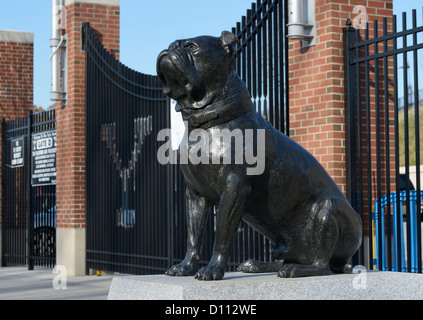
column 147, row 27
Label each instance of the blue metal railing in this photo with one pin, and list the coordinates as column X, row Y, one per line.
column 413, row 232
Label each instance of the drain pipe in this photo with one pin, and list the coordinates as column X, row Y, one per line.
column 58, row 52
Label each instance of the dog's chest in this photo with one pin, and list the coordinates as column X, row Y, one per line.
column 202, row 163
column 205, row 180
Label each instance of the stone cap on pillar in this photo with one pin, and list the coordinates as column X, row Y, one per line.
column 16, row 36
column 104, row 2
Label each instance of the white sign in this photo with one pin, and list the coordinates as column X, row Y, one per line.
column 44, row 143
column 177, row 126
column 17, row 153
column 43, row 166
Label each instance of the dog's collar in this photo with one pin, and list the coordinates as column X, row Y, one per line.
column 220, row 112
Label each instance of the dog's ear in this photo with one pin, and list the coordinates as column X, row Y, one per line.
column 229, row 39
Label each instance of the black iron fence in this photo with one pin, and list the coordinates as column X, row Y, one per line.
column 135, row 205
column 128, row 191
column 385, row 141
column 15, row 182
column 29, row 191
column 263, row 60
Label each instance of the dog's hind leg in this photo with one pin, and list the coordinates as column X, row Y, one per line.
column 279, row 253
column 257, row 266
column 350, row 241
column 322, row 238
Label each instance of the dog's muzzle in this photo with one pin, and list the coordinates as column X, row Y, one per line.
column 174, row 73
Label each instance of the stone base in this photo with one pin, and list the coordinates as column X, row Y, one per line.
column 70, row 248
column 239, row 286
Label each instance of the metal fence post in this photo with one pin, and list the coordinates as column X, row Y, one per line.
column 30, row 215
column 350, row 119
column 170, row 198
column 350, row 112
column 3, row 172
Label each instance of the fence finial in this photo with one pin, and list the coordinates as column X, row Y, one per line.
column 348, row 23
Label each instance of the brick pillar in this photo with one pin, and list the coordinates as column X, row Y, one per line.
column 16, row 73
column 16, row 80
column 317, row 118
column 103, row 16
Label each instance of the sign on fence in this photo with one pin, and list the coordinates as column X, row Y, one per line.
column 43, row 159
column 17, row 152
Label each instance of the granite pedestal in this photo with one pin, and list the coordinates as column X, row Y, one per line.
column 240, row 286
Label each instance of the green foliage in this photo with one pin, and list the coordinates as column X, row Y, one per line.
column 411, row 135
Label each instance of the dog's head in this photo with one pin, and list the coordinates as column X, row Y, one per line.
column 194, row 71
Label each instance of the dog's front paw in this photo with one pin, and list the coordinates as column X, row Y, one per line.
column 183, row 269
column 210, row 273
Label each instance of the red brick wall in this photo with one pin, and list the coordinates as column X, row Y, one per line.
column 71, row 118
column 16, row 78
column 317, row 118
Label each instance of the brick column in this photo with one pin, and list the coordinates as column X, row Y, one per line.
column 103, row 16
column 16, row 80
column 317, row 118
column 16, row 73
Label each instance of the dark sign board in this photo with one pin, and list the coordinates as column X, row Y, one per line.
column 17, row 153
column 43, row 160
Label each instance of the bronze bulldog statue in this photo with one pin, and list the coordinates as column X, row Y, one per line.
column 293, row 201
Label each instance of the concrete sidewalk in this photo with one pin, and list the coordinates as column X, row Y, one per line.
column 17, row 283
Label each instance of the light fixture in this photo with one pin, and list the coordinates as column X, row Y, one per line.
column 302, row 20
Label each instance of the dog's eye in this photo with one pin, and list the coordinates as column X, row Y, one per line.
column 191, row 46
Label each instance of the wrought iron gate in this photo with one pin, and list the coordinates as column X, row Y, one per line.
column 29, row 191
column 382, row 137
column 128, row 191
column 136, row 206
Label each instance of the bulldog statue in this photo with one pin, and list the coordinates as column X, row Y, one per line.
column 293, row 201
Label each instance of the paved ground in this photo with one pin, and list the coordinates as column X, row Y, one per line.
column 17, row 283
